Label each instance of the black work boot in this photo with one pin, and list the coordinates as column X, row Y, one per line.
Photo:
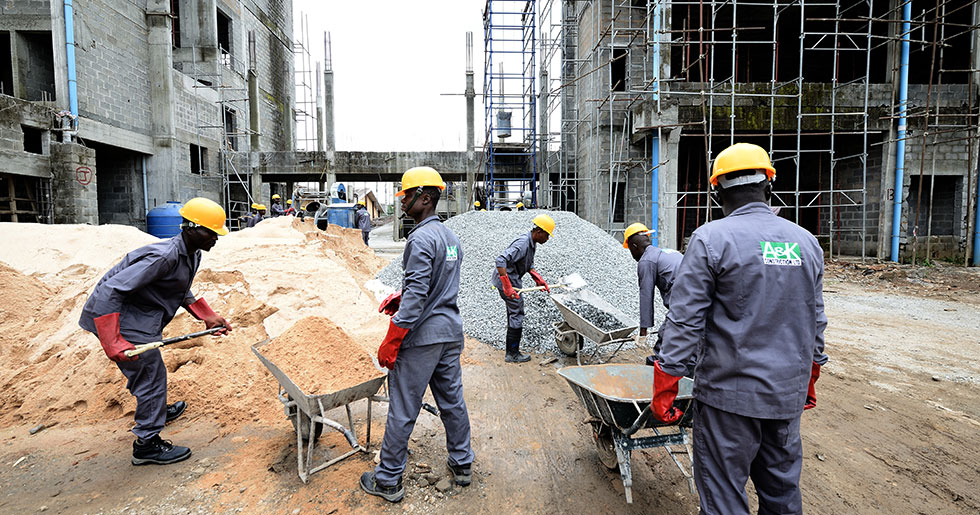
column 514, row 346
column 462, row 474
column 159, row 451
column 175, row 410
column 389, row 493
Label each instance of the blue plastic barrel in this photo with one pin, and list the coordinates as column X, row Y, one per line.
column 341, row 214
column 164, row 221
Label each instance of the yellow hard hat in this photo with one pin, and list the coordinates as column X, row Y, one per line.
column 290, row 201
column 741, row 156
column 420, row 176
column 255, row 205
column 636, row 228
column 519, row 204
column 546, row 223
column 361, row 202
column 476, row 203
column 276, row 197
column 261, row 207
column 206, row 213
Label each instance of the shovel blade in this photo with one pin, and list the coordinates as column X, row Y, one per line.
column 574, row 282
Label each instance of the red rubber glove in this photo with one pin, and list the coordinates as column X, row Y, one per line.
column 202, row 311
column 664, row 394
column 390, row 305
column 114, row 345
column 388, row 351
column 538, row 280
column 811, row 393
column 508, row 289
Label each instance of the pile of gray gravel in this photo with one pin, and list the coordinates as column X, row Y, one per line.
column 576, row 246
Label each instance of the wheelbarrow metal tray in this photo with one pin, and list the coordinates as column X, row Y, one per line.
column 585, row 327
column 308, row 403
column 616, row 393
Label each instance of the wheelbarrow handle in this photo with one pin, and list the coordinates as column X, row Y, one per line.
column 640, row 421
column 140, row 349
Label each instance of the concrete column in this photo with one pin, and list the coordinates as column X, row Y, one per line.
column 329, row 144
column 319, row 112
column 544, row 184
column 161, row 165
column 667, row 226
column 74, row 202
column 470, row 94
column 60, row 57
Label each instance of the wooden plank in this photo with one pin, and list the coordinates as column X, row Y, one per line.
column 13, row 201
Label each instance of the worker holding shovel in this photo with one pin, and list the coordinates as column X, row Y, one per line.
column 135, row 300
column 517, row 260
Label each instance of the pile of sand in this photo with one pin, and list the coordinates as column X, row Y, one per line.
column 262, row 280
column 319, row 357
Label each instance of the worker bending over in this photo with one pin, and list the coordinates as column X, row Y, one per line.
column 517, row 260
column 424, row 341
column 277, row 209
column 363, row 220
column 752, row 283
column 290, row 210
column 655, row 268
column 259, row 215
column 135, row 300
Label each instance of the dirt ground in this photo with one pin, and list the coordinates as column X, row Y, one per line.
column 896, row 430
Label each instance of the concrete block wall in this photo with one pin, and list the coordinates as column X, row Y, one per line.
column 73, row 201
column 848, row 220
column 112, row 63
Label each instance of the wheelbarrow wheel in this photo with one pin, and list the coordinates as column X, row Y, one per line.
column 304, row 429
column 568, row 342
column 605, row 446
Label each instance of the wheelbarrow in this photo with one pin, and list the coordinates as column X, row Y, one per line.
column 571, row 332
column 308, row 413
column 617, row 397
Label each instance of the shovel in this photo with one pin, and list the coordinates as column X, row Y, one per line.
column 140, row 349
column 569, row 282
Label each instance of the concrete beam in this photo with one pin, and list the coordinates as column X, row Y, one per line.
column 93, row 130
column 23, row 163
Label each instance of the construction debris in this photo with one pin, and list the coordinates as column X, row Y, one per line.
column 576, row 246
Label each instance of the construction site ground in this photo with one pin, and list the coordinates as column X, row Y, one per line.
column 896, row 430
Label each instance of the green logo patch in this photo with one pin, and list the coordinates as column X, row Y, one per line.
column 781, row 253
column 452, row 252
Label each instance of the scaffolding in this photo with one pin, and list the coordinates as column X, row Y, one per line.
column 509, row 169
column 805, row 79
column 306, row 78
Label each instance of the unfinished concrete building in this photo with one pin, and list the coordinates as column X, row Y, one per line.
column 109, row 108
column 845, row 95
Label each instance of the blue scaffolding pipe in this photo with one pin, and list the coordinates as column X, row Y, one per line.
column 655, row 139
column 903, row 104
column 70, row 55
column 976, row 226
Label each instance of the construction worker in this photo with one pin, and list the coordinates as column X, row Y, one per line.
column 517, row 260
column 424, row 341
column 259, row 215
column 363, row 220
column 135, row 300
column 246, row 219
column 751, row 283
column 290, row 210
column 520, row 206
column 655, row 268
column 476, row 205
column 276, row 209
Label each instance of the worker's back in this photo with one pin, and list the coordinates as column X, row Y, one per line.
column 762, row 307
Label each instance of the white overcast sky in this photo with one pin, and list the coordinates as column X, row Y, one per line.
column 392, row 60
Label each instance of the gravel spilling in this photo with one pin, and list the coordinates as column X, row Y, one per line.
column 576, row 246
column 594, row 315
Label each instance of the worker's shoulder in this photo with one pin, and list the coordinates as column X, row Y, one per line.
column 434, row 231
column 167, row 249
